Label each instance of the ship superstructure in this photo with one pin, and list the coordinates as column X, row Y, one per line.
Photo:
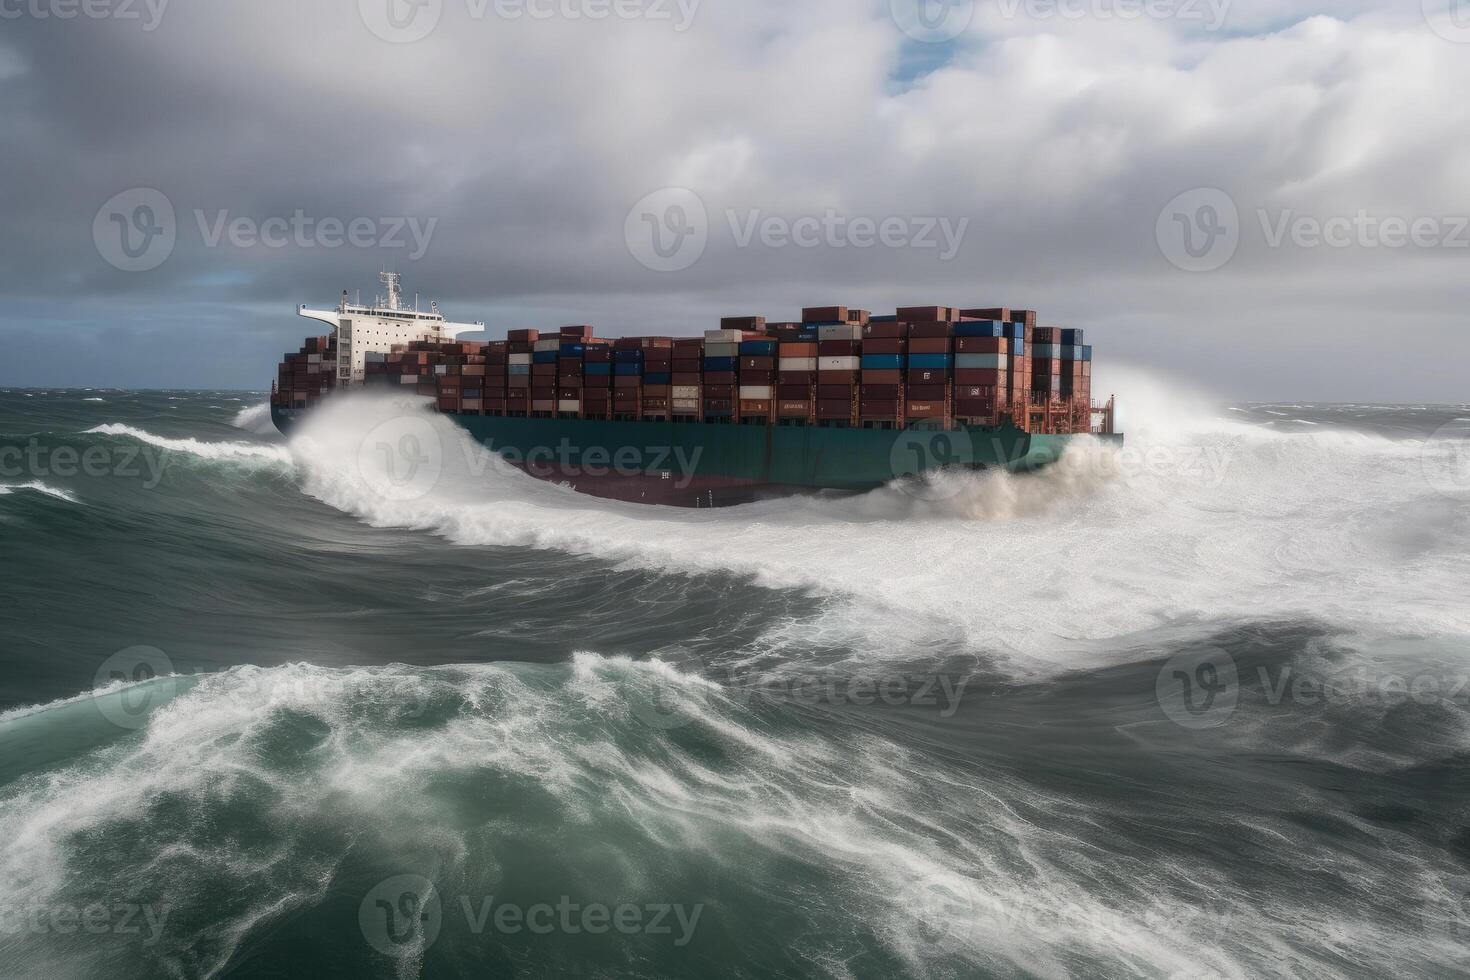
column 378, row 328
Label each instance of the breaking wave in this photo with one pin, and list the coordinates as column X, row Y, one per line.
column 1196, row 519
column 197, row 447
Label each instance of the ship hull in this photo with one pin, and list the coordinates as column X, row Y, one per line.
column 693, row 464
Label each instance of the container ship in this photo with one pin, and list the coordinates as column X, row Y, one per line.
column 839, row 401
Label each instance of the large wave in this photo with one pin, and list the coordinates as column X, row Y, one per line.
column 1197, row 519
column 260, row 796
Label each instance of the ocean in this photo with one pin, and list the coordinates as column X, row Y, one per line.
column 1195, row 708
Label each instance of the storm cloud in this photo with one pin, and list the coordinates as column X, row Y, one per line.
column 1266, row 199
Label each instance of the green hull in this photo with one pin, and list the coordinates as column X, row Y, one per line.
column 709, row 465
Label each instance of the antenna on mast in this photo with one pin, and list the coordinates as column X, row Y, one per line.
column 395, row 291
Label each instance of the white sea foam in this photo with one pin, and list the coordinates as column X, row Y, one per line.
column 93, row 399
column 990, row 868
column 38, row 487
column 197, row 447
column 254, row 418
column 1197, row 520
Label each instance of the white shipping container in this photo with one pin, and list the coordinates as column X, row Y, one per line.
column 724, row 336
column 441, row 368
column 553, row 344
column 408, row 379
column 797, row 364
column 755, row 391
column 569, row 405
column 839, row 363
column 519, row 359
column 840, row 331
column 991, row 362
column 721, row 350
column 313, row 358
column 686, row 391
column 685, row 406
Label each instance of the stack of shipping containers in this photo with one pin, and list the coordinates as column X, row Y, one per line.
column 925, row 366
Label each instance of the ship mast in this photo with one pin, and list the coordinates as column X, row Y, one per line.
column 394, row 300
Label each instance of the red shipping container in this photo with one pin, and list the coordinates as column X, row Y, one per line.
column 926, row 409
column 927, row 393
column 757, row 377
column 838, row 348
column 930, row 329
column 598, row 355
column 882, row 411
column 719, row 391
column 797, row 349
column 751, row 406
column 930, row 345
column 742, row 323
column 831, row 392
column 885, row 330
column 891, row 392
column 719, row 377
column 597, row 381
column 757, row 364
column 797, row 408
column 838, row 409
column 892, row 376
column 838, row 377
column 917, row 314
column 625, row 381
column 794, row 391
column 1002, row 313
column 981, row 345
column 920, row 376
column 824, row 314
column 796, row 377
column 980, row 376
column 884, row 345
column 522, row 337
column 687, row 378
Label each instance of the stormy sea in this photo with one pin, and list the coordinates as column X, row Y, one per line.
column 1196, row 707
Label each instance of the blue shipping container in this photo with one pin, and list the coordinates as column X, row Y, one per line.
column 883, row 319
column 979, row 328
column 596, row 368
column 626, row 356
column 544, row 357
column 1016, row 331
column 929, row 360
column 758, row 348
column 1071, row 337
column 572, row 350
column 626, row 369
column 519, row 368
column 657, row 378
column 719, row 363
column 883, row 362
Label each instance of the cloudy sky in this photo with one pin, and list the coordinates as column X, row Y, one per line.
column 1265, row 198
